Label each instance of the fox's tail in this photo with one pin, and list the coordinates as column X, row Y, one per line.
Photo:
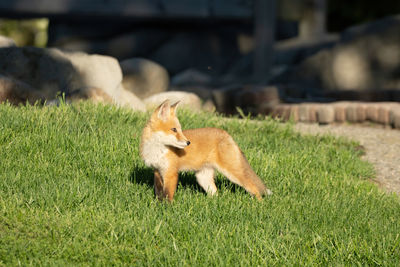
column 252, row 181
column 238, row 170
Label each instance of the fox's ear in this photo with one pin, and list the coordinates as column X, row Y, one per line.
column 174, row 106
column 163, row 111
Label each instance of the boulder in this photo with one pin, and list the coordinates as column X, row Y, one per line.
column 123, row 98
column 17, row 92
column 54, row 71
column 93, row 94
column 144, row 77
column 191, row 77
column 95, row 71
column 78, row 75
column 189, row 100
column 366, row 58
column 204, row 92
column 45, row 69
column 128, row 99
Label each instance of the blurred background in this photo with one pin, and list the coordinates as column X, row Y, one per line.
column 307, row 50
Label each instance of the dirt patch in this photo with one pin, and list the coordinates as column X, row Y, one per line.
column 382, row 148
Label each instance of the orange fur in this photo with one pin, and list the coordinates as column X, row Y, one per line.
column 165, row 147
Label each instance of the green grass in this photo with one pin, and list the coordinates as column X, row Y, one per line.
column 73, row 191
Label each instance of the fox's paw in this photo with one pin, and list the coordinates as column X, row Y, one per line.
column 268, row 192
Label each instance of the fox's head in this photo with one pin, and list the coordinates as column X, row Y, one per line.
column 165, row 124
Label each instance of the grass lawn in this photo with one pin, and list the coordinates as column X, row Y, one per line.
column 73, row 191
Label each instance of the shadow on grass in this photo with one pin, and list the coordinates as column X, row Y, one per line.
column 145, row 176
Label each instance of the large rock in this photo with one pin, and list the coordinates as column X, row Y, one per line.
column 128, row 99
column 93, row 94
column 95, row 71
column 16, row 92
column 45, row 69
column 53, row 71
column 189, row 100
column 144, row 77
column 367, row 58
column 204, row 92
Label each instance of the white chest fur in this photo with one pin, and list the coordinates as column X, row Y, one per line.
column 154, row 151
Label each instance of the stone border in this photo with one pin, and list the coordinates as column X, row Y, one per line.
column 384, row 113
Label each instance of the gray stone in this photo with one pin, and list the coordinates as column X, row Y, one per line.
column 361, row 112
column 96, row 71
column 188, row 100
column 340, row 111
column 204, row 92
column 312, row 112
column 372, row 112
column 144, row 77
column 383, row 115
column 294, row 113
column 304, row 112
column 209, row 106
column 128, row 99
column 351, row 113
column 285, row 112
column 325, row 114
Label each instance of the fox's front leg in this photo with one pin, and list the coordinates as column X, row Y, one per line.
column 170, row 179
column 158, row 185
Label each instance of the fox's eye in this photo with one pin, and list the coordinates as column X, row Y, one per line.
column 174, row 130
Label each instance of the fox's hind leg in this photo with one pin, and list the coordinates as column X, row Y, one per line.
column 205, row 178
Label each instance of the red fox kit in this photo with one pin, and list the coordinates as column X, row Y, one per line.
column 168, row 149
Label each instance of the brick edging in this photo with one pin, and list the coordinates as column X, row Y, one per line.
column 385, row 113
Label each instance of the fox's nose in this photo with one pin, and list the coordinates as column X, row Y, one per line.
column 188, row 142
